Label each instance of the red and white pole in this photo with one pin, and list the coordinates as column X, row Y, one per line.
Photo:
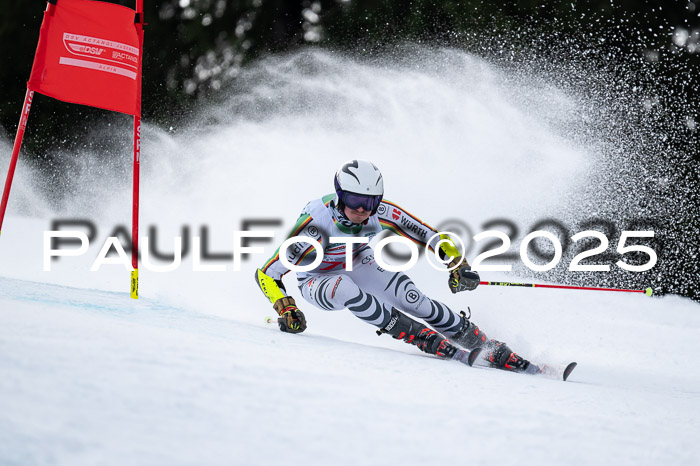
column 15, row 152
column 137, row 160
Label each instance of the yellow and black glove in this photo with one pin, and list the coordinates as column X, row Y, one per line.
column 462, row 278
column 291, row 319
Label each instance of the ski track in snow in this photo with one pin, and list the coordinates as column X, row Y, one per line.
column 92, row 377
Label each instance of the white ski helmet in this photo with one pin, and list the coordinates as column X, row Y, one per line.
column 358, row 183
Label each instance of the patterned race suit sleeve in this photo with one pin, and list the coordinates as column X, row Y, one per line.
column 269, row 276
column 394, row 218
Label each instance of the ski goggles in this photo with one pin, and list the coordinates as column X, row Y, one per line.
column 355, row 201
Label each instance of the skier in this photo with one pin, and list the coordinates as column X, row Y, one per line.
column 375, row 295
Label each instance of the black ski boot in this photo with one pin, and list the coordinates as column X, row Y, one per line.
column 495, row 352
column 469, row 336
column 402, row 327
column 499, row 355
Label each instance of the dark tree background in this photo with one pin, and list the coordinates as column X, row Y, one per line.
column 196, row 48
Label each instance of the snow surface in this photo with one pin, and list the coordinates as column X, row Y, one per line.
column 190, row 374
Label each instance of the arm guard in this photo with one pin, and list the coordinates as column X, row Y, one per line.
column 272, row 289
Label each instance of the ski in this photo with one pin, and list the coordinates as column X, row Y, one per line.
column 467, row 357
column 561, row 372
column 553, row 372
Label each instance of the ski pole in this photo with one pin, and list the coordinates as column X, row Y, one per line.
column 648, row 291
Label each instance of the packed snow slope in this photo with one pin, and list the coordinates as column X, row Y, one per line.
column 190, row 374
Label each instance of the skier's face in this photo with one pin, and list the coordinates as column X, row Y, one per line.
column 357, row 215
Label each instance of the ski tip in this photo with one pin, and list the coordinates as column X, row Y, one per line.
column 473, row 355
column 569, row 369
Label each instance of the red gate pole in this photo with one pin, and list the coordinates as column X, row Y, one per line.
column 15, row 152
column 137, row 160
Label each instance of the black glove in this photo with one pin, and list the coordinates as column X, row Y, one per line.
column 291, row 319
column 462, row 277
